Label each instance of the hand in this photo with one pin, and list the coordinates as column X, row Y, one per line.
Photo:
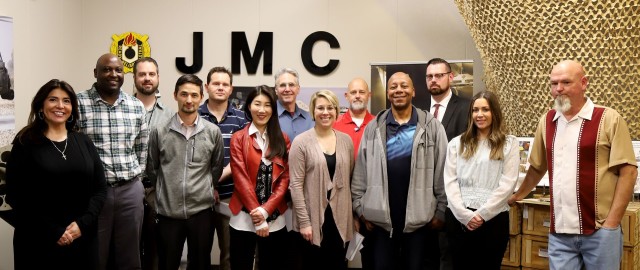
column 74, row 230
column 475, row 223
column 264, row 232
column 356, row 225
column 65, row 240
column 610, row 225
column 307, row 233
column 368, row 225
column 216, row 196
column 256, row 217
column 513, row 199
column 436, row 224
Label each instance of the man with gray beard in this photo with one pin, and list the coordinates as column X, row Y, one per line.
column 357, row 117
column 592, row 170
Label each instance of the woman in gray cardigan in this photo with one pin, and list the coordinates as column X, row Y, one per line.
column 320, row 165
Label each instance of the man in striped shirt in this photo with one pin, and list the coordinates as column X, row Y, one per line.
column 218, row 110
column 586, row 148
column 115, row 122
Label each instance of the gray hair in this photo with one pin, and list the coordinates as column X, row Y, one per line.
column 287, row 70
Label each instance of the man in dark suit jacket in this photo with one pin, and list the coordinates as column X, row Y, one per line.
column 453, row 113
column 450, row 109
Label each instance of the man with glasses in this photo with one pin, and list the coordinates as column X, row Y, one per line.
column 293, row 120
column 450, row 109
column 453, row 112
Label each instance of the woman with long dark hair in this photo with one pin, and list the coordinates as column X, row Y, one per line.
column 56, row 185
column 480, row 175
column 261, row 179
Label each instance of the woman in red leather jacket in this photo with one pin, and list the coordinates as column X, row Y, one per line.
column 261, row 180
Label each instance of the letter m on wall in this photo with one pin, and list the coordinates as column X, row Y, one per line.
column 264, row 46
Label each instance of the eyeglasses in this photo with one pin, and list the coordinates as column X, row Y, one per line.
column 437, row 76
column 328, row 108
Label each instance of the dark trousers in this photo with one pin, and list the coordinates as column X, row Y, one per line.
column 486, row 244
column 366, row 255
column 148, row 245
column 331, row 252
column 270, row 249
column 197, row 230
column 402, row 250
column 120, row 227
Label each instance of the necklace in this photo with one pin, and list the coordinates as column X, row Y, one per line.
column 63, row 150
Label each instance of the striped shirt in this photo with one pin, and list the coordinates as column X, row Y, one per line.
column 232, row 121
column 119, row 132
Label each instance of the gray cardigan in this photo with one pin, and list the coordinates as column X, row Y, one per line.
column 369, row 186
column 309, row 183
column 184, row 170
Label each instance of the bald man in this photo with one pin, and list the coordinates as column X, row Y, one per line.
column 592, row 170
column 397, row 185
column 357, row 117
column 115, row 122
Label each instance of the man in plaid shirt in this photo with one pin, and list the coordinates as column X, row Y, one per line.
column 115, row 121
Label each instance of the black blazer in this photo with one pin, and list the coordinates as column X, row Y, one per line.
column 455, row 117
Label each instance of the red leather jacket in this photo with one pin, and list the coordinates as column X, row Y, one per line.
column 245, row 160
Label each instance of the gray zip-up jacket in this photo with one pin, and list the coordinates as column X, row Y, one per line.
column 369, row 186
column 184, row 170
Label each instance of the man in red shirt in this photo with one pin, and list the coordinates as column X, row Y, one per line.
column 357, row 117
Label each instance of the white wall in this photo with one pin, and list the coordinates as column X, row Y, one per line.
column 63, row 39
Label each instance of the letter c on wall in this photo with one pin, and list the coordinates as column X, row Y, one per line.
column 307, row 52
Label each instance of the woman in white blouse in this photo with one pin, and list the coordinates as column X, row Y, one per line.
column 481, row 171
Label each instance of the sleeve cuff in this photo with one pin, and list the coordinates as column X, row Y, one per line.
column 262, row 225
column 263, row 212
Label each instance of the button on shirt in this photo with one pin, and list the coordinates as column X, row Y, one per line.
column 119, row 132
column 565, row 149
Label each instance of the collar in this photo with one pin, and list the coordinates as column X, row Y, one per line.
column 93, row 94
column 348, row 119
column 156, row 104
column 204, row 109
column 297, row 112
column 253, row 130
column 412, row 121
column 444, row 102
column 181, row 123
column 585, row 113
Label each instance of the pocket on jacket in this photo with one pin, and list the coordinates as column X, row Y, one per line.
column 374, row 205
column 201, row 151
column 424, row 148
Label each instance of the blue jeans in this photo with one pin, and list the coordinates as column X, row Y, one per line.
column 600, row 250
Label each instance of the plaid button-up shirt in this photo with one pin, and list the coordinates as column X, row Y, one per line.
column 119, row 132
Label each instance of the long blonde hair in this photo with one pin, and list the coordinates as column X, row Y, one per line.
column 497, row 135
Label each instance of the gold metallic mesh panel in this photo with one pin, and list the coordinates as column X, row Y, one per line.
column 519, row 42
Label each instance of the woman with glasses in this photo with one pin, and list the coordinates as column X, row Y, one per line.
column 321, row 162
column 480, row 175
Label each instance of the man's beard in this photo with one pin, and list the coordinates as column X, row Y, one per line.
column 357, row 106
column 436, row 91
column 562, row 104
column 146, row 92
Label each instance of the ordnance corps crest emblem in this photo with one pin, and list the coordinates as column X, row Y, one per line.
column 129, row 47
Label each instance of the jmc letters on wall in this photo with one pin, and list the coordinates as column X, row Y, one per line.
column 263, row 48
